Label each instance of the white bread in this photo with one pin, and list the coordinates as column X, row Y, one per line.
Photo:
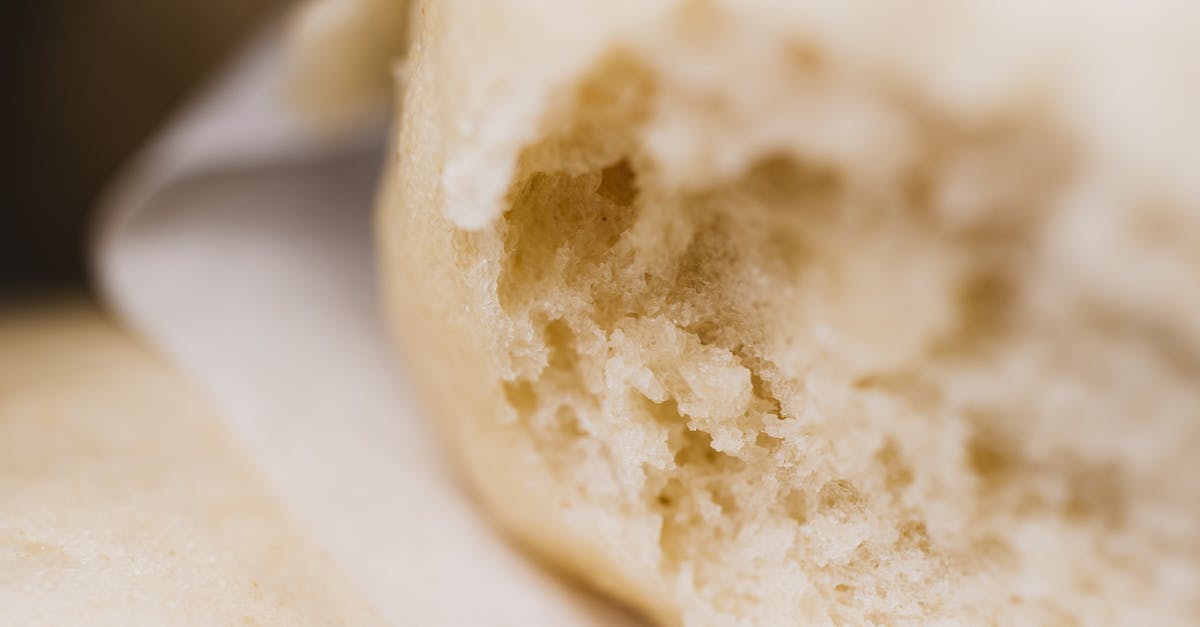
column 779, row 313
column 123, row 500
column 337, row 72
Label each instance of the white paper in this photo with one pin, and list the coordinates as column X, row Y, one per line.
column 240, row 245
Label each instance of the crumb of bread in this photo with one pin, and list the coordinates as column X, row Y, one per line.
column 783, row 317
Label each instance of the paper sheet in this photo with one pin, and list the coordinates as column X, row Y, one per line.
column 240, row 245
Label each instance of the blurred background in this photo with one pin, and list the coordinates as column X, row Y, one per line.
column 85, row 85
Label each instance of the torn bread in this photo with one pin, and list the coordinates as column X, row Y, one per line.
column 767, row 313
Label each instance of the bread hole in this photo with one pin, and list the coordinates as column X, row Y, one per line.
column 690, row 447
column 618, row 184
column 556, row 435
column 1079, row 489
column 566, row 423
column 785, row 208
column 913, row 534
column 767, row 442
column 560, row 341
column 805, row 56
column 602, row 118
column 555, row 432
column 762, row 389
column 866, row 560
column 795, row 503
column 985, row 301
column 708, row 330
column 710, row 256
column 672, row 504
column 1001, row 203
column 700, row 465
column 990, row 457
column 559, row 229
column 781, row 205
column 897, row 474
column 575, row 196
column 521, row 396
column 670, row 494
column 781, row 180
column 696, row 449
column 839, row 495
column 665, row 413
column 619, row 94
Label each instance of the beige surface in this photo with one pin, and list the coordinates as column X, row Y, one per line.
column 123, row 501
column 777, row 313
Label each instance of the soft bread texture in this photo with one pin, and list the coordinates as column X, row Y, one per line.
column 124, row 502
column 764, row 313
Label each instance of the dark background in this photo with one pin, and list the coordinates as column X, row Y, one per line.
column 85, row 83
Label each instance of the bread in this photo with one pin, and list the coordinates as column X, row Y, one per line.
column 336, row 62
column 808, row 313
column 124, row 502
